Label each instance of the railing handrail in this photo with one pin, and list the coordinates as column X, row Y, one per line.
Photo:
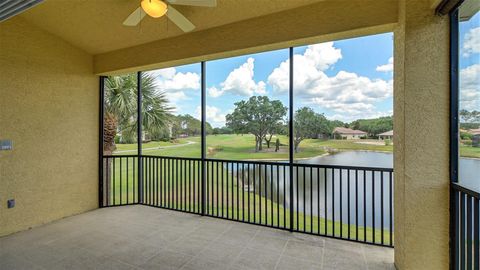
column 119, row 156
column 468, row 191
column 261, row 162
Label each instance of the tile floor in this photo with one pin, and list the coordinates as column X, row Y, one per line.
column 142, row 237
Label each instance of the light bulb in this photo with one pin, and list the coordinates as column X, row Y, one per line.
column 154, row 8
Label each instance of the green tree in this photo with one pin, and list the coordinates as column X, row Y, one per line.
column 373, row 126
column 469, row 119
column 256, row 116
column 308, row 124
column 121, row 108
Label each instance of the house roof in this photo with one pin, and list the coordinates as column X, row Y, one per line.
column 474, row 131
column 348, row 131
column 388, row 133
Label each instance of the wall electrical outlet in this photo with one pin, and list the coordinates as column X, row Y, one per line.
column 11, row 203
column 6, row 145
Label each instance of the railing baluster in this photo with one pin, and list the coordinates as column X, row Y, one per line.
column 341, row 205
column 266, row 193
column 364, row 206
column 382, row 209
column 296, row 200
column 304, row 195
column 254, row 196
column 469, row 236
column 278, row 195
column 284, row 197
column 114, row 181
column 348, row 202
column 333, row 202
column 356, row 205
column 373, row 206
column 462, row 230
column 238, row 193
column 271, row 195
column 476, row 234
column 243, row 191
column 228, row 191
column 248, row 184
column 390, row 196
column 325, row 199
column 260, row 192
column 318, row 200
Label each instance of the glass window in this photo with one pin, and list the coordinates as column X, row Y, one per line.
column 469, row 94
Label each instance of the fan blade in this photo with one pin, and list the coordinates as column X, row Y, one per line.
column 198, row 3
column 180, row 20
column 135, row 18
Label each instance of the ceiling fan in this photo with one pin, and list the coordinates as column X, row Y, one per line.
column 158, row 8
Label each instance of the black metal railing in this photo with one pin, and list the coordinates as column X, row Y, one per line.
column 466, row 217
column 346, row 202
column 173, row 183
column 120, row 180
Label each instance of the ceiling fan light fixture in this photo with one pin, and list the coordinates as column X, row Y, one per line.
column 154, row 8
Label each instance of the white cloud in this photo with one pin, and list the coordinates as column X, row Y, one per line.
column 168, row 80
column 174, row 84
column 214, row 92
column 471, row 42
column 240, row 82
column 213, row 114
column 345, row 93
column 470, row 87
column 387, row 67
column 366, row 114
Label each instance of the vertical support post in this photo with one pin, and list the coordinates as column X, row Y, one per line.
column 139, row 137
column 101, row 102
column 203, row 130
column 453, row 137
column 290, row 135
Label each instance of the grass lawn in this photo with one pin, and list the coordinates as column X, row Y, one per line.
column 469, row 151
column 241, row 147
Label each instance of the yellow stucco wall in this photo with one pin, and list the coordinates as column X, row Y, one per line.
column 421, row 108
column 49, row 108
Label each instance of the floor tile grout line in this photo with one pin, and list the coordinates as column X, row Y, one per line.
column 204, row 248
column 244, row 247
column 281, row 254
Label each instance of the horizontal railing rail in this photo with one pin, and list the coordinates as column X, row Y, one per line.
column 346, row 202
column 466, row 246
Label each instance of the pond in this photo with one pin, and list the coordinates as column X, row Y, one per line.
column 358, row 188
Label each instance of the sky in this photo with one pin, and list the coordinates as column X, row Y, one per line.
column 469, row 62
column 345, row 80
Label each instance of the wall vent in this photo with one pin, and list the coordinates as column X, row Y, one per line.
column 10, row 8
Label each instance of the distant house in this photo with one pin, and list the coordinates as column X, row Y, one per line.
column 386, row 135
column 348, row 134
column 474, row 131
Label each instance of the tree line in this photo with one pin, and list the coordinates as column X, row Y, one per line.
column 265, row 118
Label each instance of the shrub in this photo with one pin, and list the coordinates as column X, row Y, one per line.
column 467, row 142
column 117, row 139
column 388, row 142
column 466, row 136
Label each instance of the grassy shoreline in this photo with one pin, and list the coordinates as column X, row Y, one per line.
column 241, row 147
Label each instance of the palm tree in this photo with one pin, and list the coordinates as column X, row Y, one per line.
column 121, row 108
